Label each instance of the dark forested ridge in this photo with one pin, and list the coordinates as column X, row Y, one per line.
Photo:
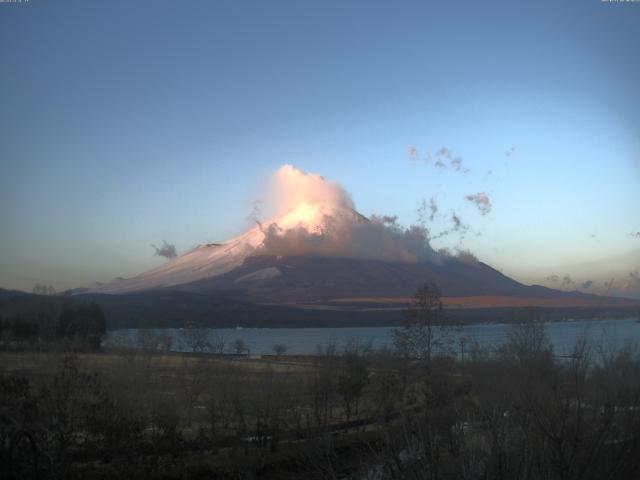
column 26, row 317
column 172, row 309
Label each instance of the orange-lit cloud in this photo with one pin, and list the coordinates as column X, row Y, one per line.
column 317, row 217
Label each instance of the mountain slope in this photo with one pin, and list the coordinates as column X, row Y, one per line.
column 323, row 253
column 292, row 279
column 202, row 262
column 308, row 228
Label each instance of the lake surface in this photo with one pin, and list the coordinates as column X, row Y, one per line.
column 602, row 334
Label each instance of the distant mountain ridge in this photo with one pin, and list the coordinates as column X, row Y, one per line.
column 171, row 308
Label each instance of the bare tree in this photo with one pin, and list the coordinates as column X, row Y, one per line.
column 195, row 338
column 216, row 342
column 352, row 378
column 417, row 338
column 528, row 339
column 218, row 393
column 239, row 346
column 279, row 349
column 385, row 384
column 193, row 381
column 322, row 383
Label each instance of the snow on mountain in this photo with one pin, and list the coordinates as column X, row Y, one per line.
column 316, row 218
column 209, row 260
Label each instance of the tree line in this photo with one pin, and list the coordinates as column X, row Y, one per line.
column 83, row 323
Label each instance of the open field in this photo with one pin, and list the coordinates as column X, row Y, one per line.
column 110, row 361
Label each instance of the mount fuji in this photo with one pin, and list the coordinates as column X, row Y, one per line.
column 318, row 253
column 306, row 230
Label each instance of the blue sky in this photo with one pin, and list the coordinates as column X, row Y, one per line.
column 125, row 123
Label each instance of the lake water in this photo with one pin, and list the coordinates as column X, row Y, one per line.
column 602, row 334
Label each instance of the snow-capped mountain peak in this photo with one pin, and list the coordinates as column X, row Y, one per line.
column 208, row 260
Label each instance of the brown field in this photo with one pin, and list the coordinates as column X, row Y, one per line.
column 492, row 301
column 113, row 360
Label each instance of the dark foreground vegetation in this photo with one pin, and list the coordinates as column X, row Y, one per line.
column 516, row 411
